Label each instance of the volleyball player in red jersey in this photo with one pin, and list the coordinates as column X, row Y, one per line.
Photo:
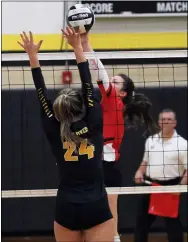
column 119, row 102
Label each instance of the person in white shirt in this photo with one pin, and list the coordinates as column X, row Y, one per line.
column 164, row 162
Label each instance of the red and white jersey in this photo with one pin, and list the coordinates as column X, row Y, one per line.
column 112, row 106
column 113, row 122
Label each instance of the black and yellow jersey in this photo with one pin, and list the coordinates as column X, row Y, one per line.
column 80, row 168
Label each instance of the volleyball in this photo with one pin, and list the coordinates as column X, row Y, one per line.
column 81, row 18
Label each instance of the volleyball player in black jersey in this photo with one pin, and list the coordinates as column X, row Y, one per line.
column 73, row 126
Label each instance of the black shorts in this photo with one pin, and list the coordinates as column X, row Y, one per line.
column 82, row 216
column 112, row 174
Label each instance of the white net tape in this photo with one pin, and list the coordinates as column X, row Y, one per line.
column 112, row 190
column 101, row 55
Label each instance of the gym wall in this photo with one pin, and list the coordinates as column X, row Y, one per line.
column 45, row 20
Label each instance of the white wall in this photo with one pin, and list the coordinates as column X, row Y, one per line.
column 141, row 24
column 40, row 17
column 47, row 18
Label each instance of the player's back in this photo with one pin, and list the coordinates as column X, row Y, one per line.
column 80, row 167
column 81, row 176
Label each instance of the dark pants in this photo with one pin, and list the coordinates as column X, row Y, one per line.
column 145, row 220
column 112, row 174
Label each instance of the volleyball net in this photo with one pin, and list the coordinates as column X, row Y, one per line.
column 28, row 167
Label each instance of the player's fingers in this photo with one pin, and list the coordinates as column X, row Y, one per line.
column 20, row 44
column 65, row 38
column 22, row 37
column 31, row 36
column 78, row 34
column 69, row 31
column 40, row 43
column 65, row 34
column 25, row 36
column 73, row 31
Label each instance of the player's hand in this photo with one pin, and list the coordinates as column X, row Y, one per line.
column 139, row 177
column 84, row 39
column 72, row 37
column 28, row 45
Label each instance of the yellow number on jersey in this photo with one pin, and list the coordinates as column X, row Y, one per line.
column 70, row 147
column 84, row 149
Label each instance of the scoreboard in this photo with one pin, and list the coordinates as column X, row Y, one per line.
column 134, row 8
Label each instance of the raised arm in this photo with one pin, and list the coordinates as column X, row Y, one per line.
column 95, row 64
column 74, row 40
column 94, row 114
column 49, row 121
column 32, row 50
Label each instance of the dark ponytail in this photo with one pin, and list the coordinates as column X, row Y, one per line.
column 137, row 107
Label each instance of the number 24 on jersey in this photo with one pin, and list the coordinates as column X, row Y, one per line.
column 84, row 149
